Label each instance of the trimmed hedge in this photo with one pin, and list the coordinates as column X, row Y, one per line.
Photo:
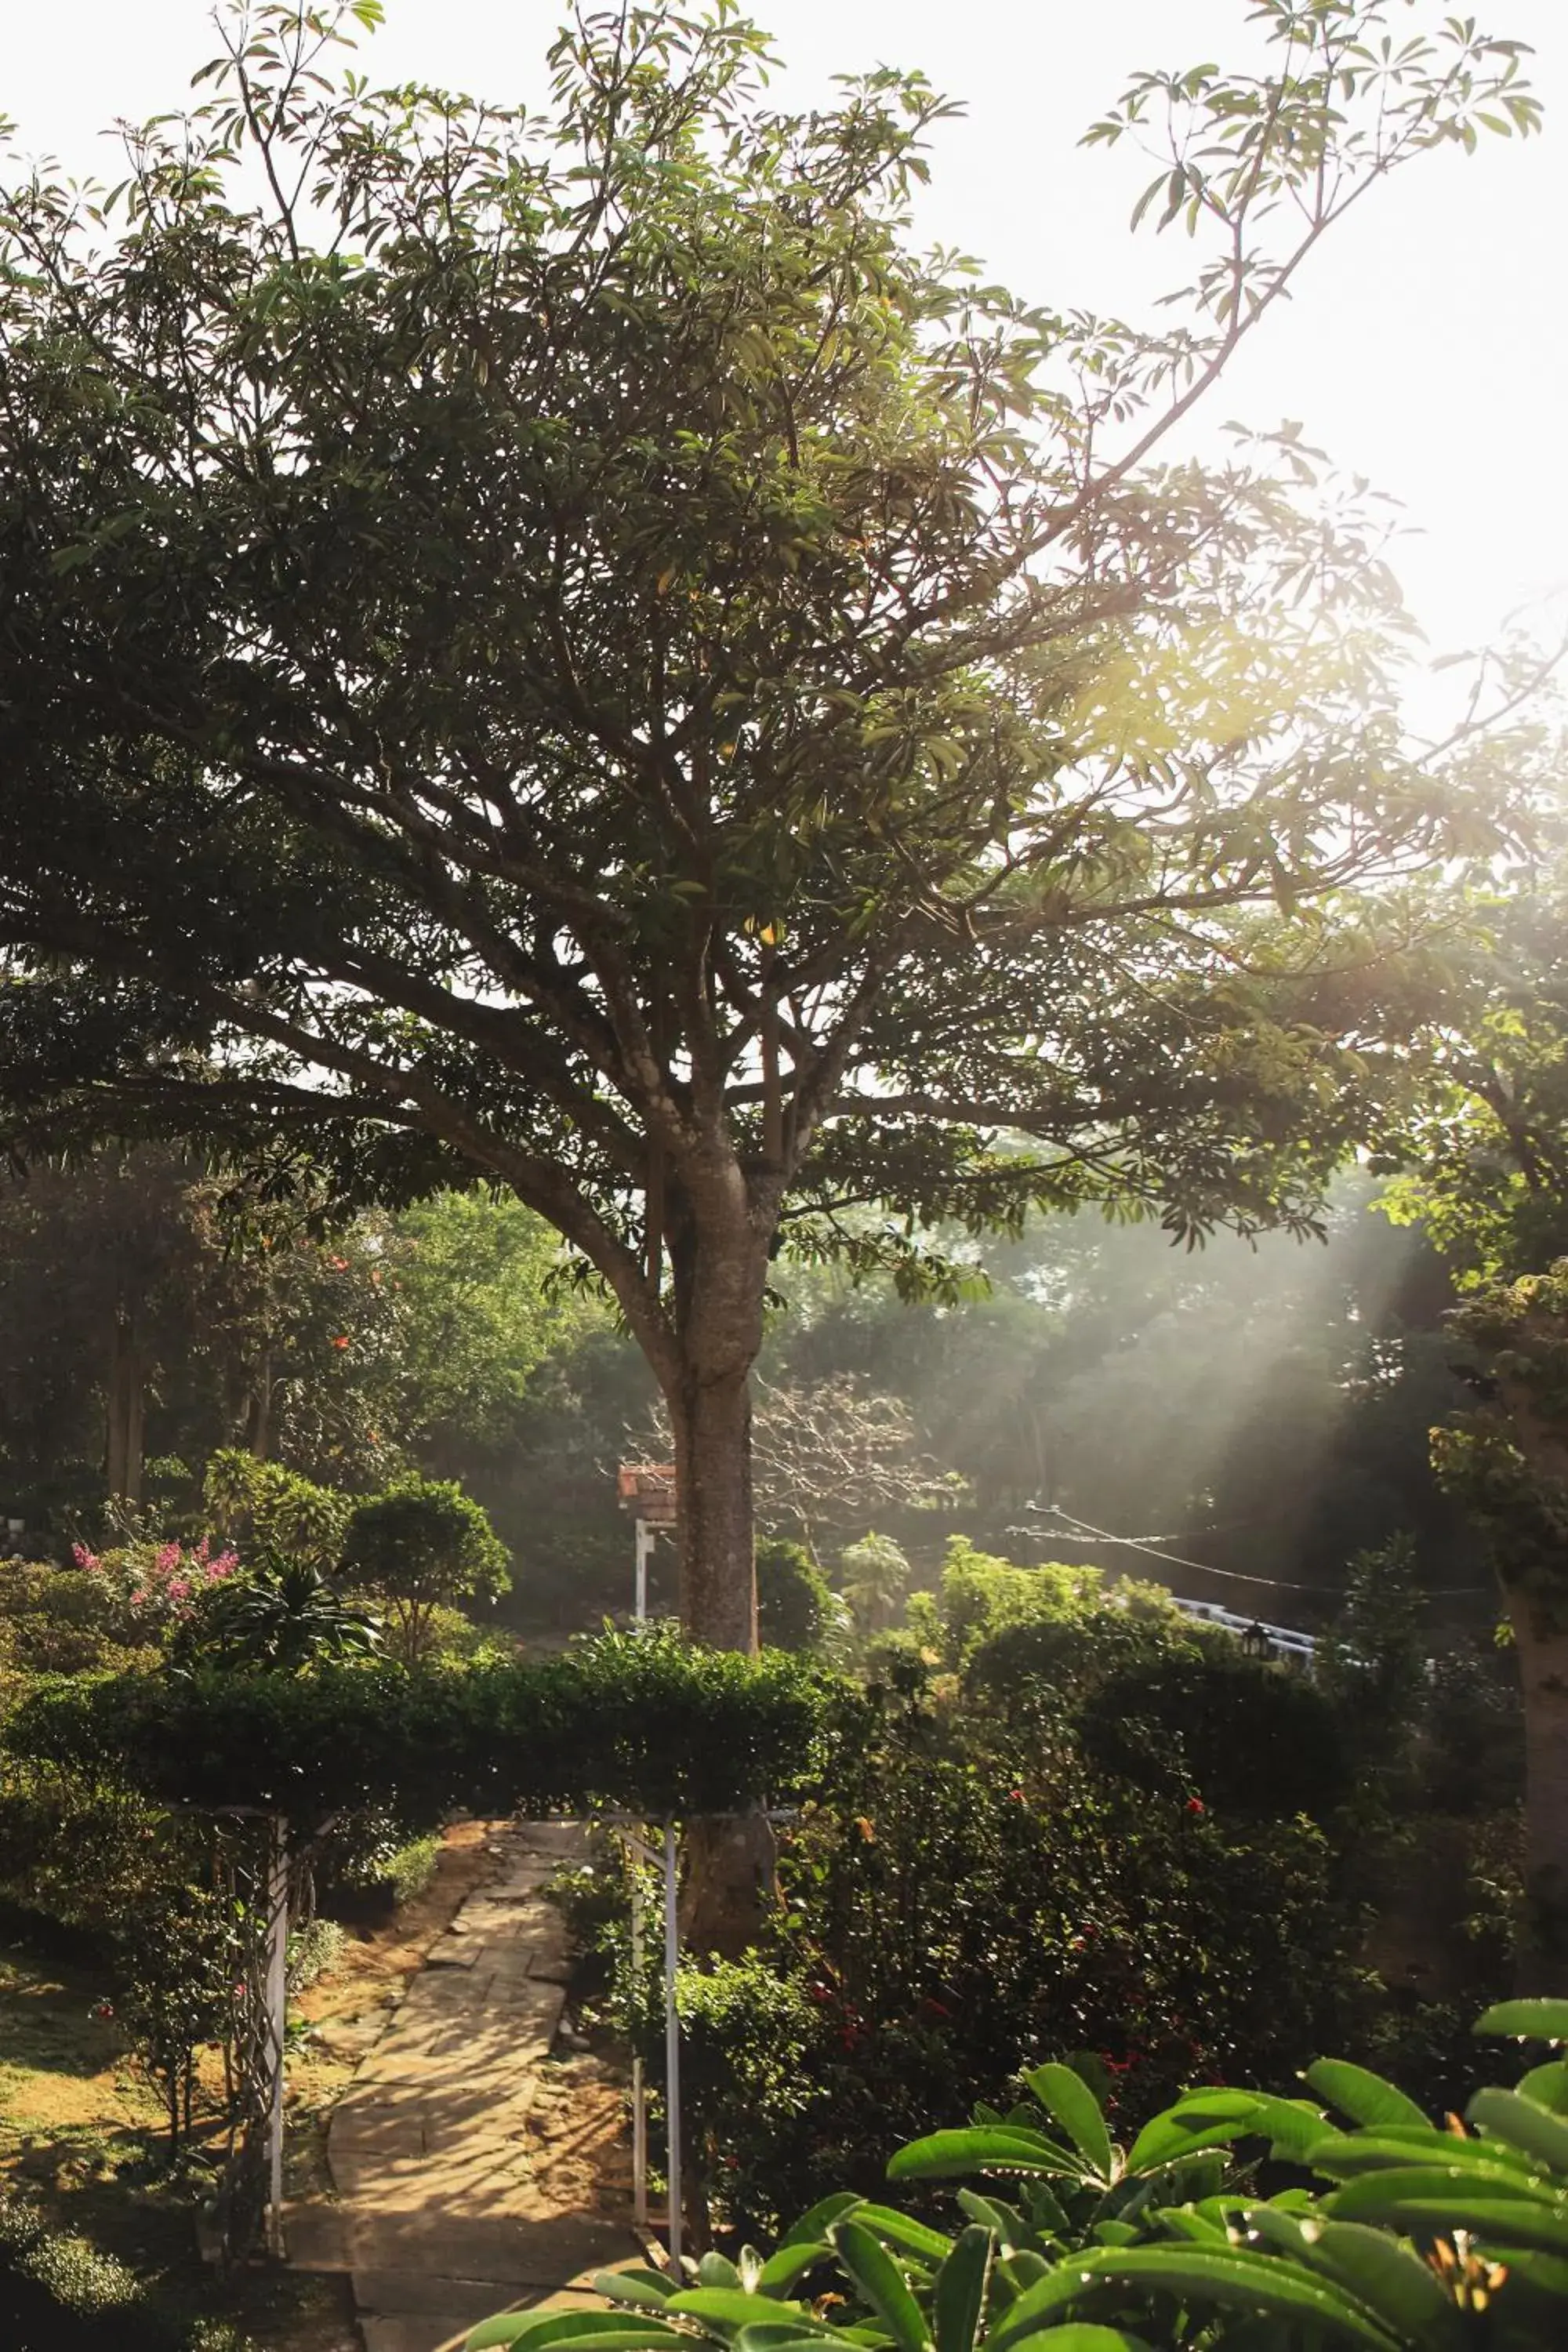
column 644, row 1723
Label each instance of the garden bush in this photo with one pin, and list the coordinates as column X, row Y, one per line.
column 422, row 1546
column 645, row 1721
column 1207, row 1720
column 367, row 1868
column 796, row 1607
column 67, row 1621
column 949, row 1901
column 59, row 2292
column 979, row 1595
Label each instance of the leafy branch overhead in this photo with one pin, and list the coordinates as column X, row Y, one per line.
column 630, row 643
column 561, row 649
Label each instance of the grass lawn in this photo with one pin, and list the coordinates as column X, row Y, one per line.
column 82, row 2135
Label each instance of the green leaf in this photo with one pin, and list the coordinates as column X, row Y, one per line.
column 1527, row 2020
column 1208, row 2274
column 791, row 2262
column 1521, row 2123
column 1440, row 2156
column 1067, row 2098
column 882, row 2283
column 959, row 2301
column 648, row 2290
column 1500, row 2222
column 1366, row 2097
column 816, row 2224
column 733, row 2307
column 1165, row 2142
column 595, row 2331
column 1366, row 2196
column 901, row 2230
column 1547, row 2086
column 984, row 2148
column 1241, row 2280
column 779, row 2339
column 1007, row 2225
column 1382, row 2274
column 1085, row 2336
column 1211, row 2119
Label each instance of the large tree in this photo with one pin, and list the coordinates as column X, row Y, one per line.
column 566, row 650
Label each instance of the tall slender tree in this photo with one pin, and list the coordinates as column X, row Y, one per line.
column 567, row 650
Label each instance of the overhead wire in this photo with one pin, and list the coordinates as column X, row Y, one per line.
column 1084, row 1533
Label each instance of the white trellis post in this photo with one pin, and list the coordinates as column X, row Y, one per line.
column 639, row 2075
column 666, row 1856
column 672, row 2043
column 276, row 2022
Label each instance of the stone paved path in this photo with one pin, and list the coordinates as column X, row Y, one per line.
column 445, row 2210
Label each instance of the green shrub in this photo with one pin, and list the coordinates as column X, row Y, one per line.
column 796, row 1607
column 175, row 1962
column 645, row 1722
column 78, row 1848
column 280, row 1616
column 313, row 1950
column 420, row 1547
column 59, row 2292
column 946, row 1905
column 409, row 1871
column 69, row 1621
column 277, row 1507
column 979, row 1596
column 1245, row 1736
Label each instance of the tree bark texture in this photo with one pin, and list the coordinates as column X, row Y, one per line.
column 258, row 1408
column 712, row 1421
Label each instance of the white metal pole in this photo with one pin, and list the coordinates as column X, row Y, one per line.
column 644, row 1546
column 639, row 2077
column 277, row 2022
column 672, row 2045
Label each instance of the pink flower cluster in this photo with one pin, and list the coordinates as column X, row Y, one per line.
column 162, row 1579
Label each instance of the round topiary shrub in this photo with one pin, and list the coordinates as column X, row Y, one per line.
column 419, row 1548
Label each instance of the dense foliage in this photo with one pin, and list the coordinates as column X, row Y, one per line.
column 648, row 1724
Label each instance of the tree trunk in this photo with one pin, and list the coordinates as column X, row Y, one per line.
column 729, row 1861
column 1543, row 1649
column 712, row 1420
column 122, row 1449
column 259, row 1410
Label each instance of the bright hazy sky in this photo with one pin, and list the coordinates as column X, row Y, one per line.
column 1427, row 347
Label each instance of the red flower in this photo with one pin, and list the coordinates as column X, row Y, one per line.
column 1196, row 1805
column 1017, row 1797
column 342, row 1340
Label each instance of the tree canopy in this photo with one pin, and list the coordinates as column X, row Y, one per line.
column 565, row 649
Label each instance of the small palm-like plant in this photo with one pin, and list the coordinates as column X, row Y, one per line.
column 281, row 1616
column 1418, row 2238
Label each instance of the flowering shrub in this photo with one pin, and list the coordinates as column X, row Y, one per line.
column 957, row 1899
column 153, row 1586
